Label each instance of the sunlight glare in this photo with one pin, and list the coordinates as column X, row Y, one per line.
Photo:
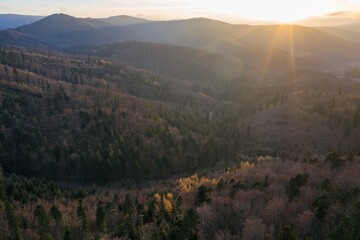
column 285, row 11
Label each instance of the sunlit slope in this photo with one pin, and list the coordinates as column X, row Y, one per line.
column 303, row 42
column 317, row 114
column 347, row 34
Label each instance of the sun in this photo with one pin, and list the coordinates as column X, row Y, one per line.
column 280, row 16
column 285, row 11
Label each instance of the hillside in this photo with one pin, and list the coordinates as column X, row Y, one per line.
column 97, row 105
column 123, row 20
column 349, row 35
column 16, row 39
column 15, row 20
column 125, row 113
column 178, row 62
column 61, row 31
column 306, row 44
column 123, row 128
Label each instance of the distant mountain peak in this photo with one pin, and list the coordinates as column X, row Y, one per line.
column 122, row 20
column 58, row 16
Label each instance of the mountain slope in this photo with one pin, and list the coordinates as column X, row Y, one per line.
column 306, row 44
column 123, row 20
column 62, row 31
column 195, row 33
column 214, row 35
column 178, row 62
column 15, row 20
column 14, row 38
column 349, row 35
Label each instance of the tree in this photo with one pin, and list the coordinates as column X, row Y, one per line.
column 293, row 190
column 81, row 214
column 334, row 159
column 287, row 233
column 57, row 216
column 202, row 195
column 343, row 230
column 42, row 222
column 15, row 72
column 2, row 184
column 67, row 234
column 321, row 205
column 187, row 227
column 100, row 215
column 12, row 222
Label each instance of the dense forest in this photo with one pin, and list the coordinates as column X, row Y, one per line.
column 264, row 198
column 142, row 140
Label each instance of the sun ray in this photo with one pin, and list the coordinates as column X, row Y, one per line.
column 292, row 55
column 269, row 53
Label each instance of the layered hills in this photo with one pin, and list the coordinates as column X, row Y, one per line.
column 124, row 128
column 63, row 32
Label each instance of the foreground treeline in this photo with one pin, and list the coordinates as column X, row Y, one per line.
column 264, row 198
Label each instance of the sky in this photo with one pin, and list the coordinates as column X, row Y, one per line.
column 316, row 12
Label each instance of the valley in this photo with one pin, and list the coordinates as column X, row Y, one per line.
column 126, row 128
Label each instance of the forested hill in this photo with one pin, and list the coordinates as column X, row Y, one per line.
column 235, row 132
column 64, row 32
column 88, row 119
column 92, row 120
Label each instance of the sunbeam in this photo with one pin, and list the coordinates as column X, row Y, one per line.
column 270, row 53
column 292, row 55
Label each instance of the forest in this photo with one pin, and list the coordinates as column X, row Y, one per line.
column 147, row 140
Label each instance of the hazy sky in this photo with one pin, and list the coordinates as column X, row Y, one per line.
column 229, row 10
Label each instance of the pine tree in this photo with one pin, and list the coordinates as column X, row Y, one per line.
column 81, row 214
column 12, row 222
column 100, row 215
column 57, row 216
column 43, row 223
column 202, row 195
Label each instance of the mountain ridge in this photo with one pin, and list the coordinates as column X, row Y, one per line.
column 10, row 21
column 64, row 32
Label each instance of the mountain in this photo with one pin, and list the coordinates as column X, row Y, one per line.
column 215, row 36
column 123, row 20
column 15, row 20
column 350, row 27
column 170, row 60
column 13, row 38
column 61, row 31
column 304, row 42
column 98, row 141
column 347, row 34
column 195, row 33
column 277, row 44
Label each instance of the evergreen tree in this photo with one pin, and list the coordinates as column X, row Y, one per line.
column 56, row 215
column 287, row 234
column 100, row 215
column 43, row 222
column 12, row 222
column 202, row 195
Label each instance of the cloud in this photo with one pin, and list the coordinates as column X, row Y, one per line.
column 337, row 14
column 333, row 19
